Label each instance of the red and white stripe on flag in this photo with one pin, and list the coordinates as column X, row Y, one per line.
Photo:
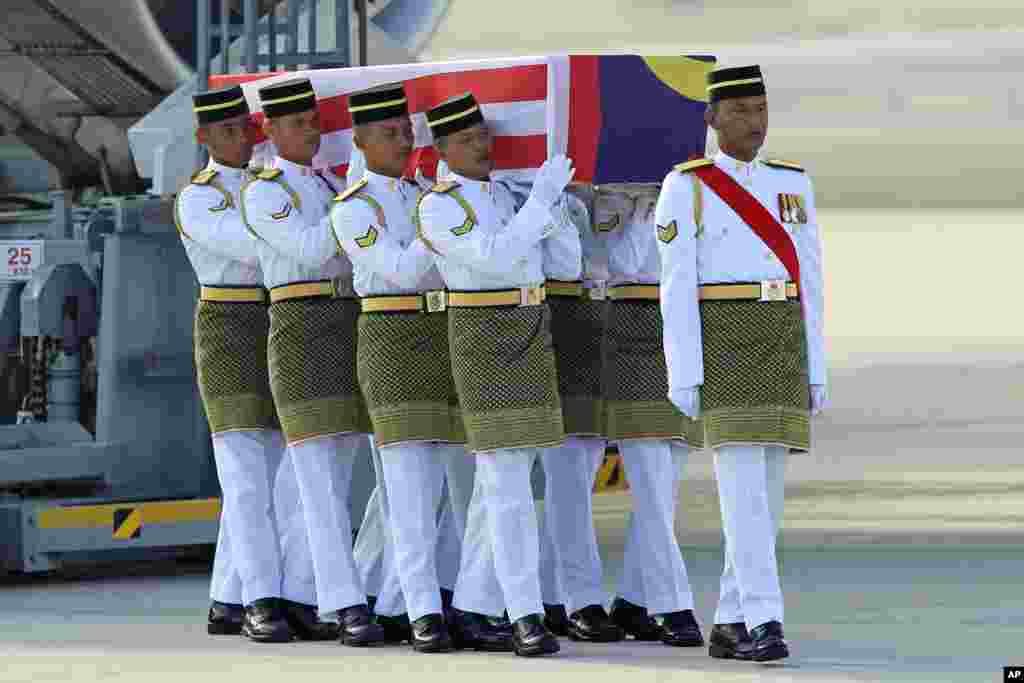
column 525, row 100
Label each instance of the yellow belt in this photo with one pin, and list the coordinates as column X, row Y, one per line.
column 633, row 292
column 562, row 288
column 524, row 296
column 303, row 290
column 233, row 295
column 431, row 302
column 769, row 290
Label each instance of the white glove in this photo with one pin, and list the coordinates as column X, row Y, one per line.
column 686, row 400
column 819, row 398
column 423, row 181
column 551, row 179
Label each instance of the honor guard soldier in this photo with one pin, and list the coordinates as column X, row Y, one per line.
column 231, row 360
column 494, row 260
column 743, row 305
column 569, row 542
column 649, row 430
column 312, row 343
column 403, row 360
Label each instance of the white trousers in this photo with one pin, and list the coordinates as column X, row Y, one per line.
column 504, row 491
column 247, row 466
column 297, row 582
column 415, row 475
column 225, row 581
column 654, row 573
column 323, row 468
column 460, row 472
column 631, row 581
column 374, row 550
column 751, row 489
column 569, row 541
column 477, row 588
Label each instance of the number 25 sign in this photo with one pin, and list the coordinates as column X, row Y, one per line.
column 20, row 259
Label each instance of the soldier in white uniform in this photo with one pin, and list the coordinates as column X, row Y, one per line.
column 649, row 430
column 494, row 257
column 312, row 343
column 570, row 563
column 231, row 340
column 404, row 364
column 742, row 302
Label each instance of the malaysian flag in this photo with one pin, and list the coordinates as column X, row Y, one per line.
column 622, row 118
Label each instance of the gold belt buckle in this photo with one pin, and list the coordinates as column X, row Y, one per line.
column 437, row 301
column 773, row 290
column 531, row 296
column 598, row 290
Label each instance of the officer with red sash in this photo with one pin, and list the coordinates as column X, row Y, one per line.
column 742, row 304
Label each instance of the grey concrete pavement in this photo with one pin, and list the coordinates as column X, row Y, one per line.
column 855, row 612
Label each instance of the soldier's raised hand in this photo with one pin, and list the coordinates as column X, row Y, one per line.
column 552, row 178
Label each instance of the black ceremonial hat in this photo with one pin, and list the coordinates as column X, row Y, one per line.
column 289, row 97
column 378, row 104
column 454, row 114
column 219, row 105
column 739, row 81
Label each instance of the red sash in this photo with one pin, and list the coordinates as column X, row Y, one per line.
column 753, row 213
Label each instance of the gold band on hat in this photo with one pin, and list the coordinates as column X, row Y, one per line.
column 379, row 105
column 222, row 105
column 290, row 98
column 741, row 81
column 453, row 117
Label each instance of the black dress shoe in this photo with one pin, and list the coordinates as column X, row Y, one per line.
column 396, row 629
column 357, row 628
column 501, row 624
column 679, row 629
column 593, row 625
column 556, row 620
column 224, row 619
column 768, row 642
column 305, row 622
column 265, row 623
column 429, row 634
column 471, row 631
column 634, row 620
column 530, row 638
column 730, row 641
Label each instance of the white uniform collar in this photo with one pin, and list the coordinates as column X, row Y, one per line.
column 485, row 186
column 226, row 171
column 737, row 168
column 380, row 181
column 291, row 167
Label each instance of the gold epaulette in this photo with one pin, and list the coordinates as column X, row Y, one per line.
column 269, row 173
column 688, row 166
column 351, row 191
column 204, row 177
column 444, row 187
column 788, row 165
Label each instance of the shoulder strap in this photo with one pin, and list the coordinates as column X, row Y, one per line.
column 753, row 213
column 352, row 190
column 276, row 175
column 207, row 178
column 787, row 165
column 693, row 164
